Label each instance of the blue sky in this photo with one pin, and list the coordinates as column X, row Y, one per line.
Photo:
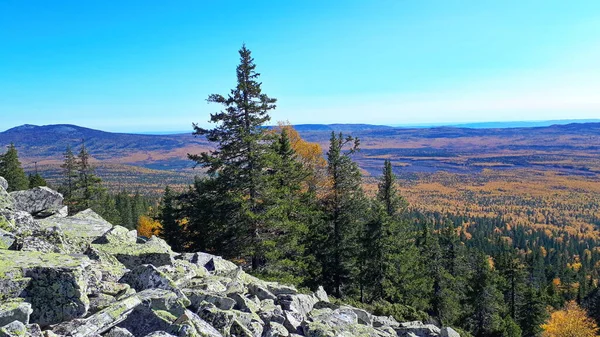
column 149, row 65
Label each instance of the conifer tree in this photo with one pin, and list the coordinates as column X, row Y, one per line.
column 291, row 206
column 391, row 267
column 171, row 231
column 11, row 170
column 89, row 192
column 69, row 173
column 241, row 156
column 36, row 180
column 345, row 213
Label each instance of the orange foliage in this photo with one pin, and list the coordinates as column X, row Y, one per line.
column 572, row 321
column 148, row 227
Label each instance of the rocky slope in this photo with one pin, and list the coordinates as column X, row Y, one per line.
column 82, row 276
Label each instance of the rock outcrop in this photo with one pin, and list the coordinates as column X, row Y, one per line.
column 81, row 276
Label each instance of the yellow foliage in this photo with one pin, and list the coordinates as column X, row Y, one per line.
column 148, row 227
column 572, row 321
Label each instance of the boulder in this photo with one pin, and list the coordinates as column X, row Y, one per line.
column 148, row 277
column 100, row 321
column 3, row 183
column 417, row 329
column 118, row 235
column 118, row 332
column 199, row 326
column 54, row 284
column 197, row 296
column 85, row 225
column 449, row 332
column 6, row 201
column 13, row 329
column 131, row 255
column 37, row 200
column 6, row 239
column 212, row 263
column 14, row 311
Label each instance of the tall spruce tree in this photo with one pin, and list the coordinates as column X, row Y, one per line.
column 89, row 192
column 11, row 170
column 69, row 173
column 168, row 218
column 345, row 213
column 36, row 180
column 242, row 155
column 391, row 267
column 290, row 208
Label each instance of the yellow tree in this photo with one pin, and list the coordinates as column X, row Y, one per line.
column 572, row 321
column 310, row 155
column 148, row 227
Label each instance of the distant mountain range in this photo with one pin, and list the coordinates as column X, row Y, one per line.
column 571, row 147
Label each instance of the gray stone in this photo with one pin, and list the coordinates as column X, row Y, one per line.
column 14, row 311
column 275, row 330
column 3, row 183
column 200, row 326
column 196, row 298
column 118, row 235
column 84, row 226
column 6, row 201
column 449, row 332
column 56, row 284
column 118, row 332
column 159, row 334
column 6, row 239
column 418, row 329
column 37, row 200
column 100, row 321
column 147, row 277
column 261, row 292
column 13, row 329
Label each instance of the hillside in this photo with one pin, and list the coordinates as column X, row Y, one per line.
column 572, row 148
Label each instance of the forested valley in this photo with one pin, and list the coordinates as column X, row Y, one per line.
column 272, row 202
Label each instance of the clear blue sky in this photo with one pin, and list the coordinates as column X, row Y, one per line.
column 149, row 65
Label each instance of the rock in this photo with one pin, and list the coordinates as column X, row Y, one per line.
column 380, row 321
column 13, row 329
column 118, row 235
column 200, row 326
column 14, row 311
column 37, row 200
column 3, row 183
column 56, row 284
column 159, row 334
column 85, row 225
column 118, row 332
column 100, row 321
column 276, row 330
column 261, row 292
column 153, row 252
column 6, row 201
column 296, row 309
column 196, row 298
column 232, row 322
column 244, row 303
column 147, row 277
column 99, row 302
column 417, row 329
column 449, row 332
column 212, row 263
column 6, row 239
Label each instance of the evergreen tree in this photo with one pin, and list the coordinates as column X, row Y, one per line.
column 532, row 313
column 11, row 170
column 390, row 263
column 241, row 156
column 290, row 207
column 69, row 173
column 36, row 180
column 89, row 192
column 171, row 231
column 485, row 312
column 345, row 213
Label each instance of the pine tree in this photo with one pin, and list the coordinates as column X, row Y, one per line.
column 241, row 156
column 36, row 180
column 290, row 207
column 391, row 267
column 532, row 313
column 11, row 170
column 69, row 173
column 89, row 192
column 345, row 212
column 485, row 317
column 171, row 231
